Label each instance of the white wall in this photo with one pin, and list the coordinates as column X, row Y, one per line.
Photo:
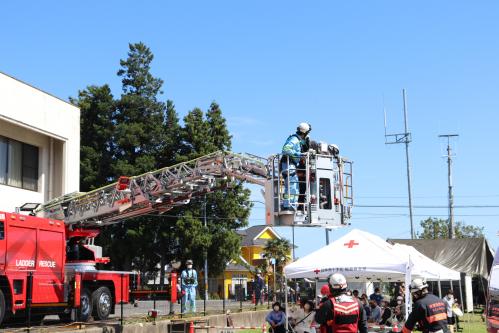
column 32, row 116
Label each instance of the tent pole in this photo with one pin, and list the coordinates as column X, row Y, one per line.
column 286, row 299
column 461, row 292
column 407, row 294
column 439, row 289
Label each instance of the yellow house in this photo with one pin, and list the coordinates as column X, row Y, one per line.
column 239, row 275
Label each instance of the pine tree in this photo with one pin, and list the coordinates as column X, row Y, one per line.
column 139, row 135
column 218, row 130
column 96, row 128
column 138, row 145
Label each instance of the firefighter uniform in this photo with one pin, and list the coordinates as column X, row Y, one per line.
column 342, row 314
column 189, row 282
column 430, row 313
column 292, row 153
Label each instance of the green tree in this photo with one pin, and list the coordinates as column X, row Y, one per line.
column 278, row 249
column 172, row 136
column 138, row 133
column 217, row 128
column 138, row 143
column 435, row 228
column 97, row 106
column 226, row 210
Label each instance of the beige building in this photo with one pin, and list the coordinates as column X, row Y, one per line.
column 39, row 145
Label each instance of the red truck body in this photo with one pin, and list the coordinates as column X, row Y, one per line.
column 34, row 249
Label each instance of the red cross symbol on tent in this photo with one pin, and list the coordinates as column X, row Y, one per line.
column 351, row 244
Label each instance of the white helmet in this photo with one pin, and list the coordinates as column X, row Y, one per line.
column 337, row 281
column 418, row 285
column 304, row 128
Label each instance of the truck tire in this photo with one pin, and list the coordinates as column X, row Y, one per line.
column 85, row 310
column 102, row 303
column 2, row 306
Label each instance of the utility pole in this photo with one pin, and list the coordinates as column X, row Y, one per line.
column 205, row 259
column 449, row 180
column 404, row 138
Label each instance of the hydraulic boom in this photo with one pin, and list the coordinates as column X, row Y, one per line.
column 157, row 191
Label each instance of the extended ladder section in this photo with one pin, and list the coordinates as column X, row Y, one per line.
column 157, row 191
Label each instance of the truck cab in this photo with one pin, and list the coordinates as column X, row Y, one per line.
column 37, row 275
column 32, row 257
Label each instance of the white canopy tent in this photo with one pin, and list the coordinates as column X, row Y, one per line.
column 426, row 267
column 358, row 255
column 494, row 277
column 494, row 272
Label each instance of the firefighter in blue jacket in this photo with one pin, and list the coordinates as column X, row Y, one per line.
column 291, row 160
column 189, row 282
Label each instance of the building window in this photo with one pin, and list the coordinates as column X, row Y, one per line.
column 18, row 164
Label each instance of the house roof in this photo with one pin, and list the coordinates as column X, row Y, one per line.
column 237, row 267
column 250, row 235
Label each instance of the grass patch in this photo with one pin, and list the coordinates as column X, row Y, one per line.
column 250, row 331
column 472, row 323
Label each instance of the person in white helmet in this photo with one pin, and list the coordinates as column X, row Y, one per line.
column 189, row 283
column 341, row 312
column 292, row 152
column 428, row 311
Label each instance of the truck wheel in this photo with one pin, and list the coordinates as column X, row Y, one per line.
column 102, row 303
column 2, row 306
column 85, row 310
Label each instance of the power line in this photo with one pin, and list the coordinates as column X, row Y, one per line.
column 424, row 196
column 367, row 215
column 426, row 206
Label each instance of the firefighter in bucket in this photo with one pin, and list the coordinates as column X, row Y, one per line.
column 292, row 167
column 341, row 312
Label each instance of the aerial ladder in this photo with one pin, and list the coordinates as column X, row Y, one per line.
column 325, row 187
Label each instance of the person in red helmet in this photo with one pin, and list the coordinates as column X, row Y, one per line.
column 325, row 293
column 324, row 296
column 341, row 312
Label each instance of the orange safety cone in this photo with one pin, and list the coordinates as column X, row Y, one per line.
column 264, row 328
column 191, row 327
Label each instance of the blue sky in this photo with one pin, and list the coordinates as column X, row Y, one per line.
column 273, row 64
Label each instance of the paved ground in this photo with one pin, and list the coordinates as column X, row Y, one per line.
column 141, row 311
column 164, row 307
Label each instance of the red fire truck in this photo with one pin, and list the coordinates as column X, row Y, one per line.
column 48, row 258
column 37, row 272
